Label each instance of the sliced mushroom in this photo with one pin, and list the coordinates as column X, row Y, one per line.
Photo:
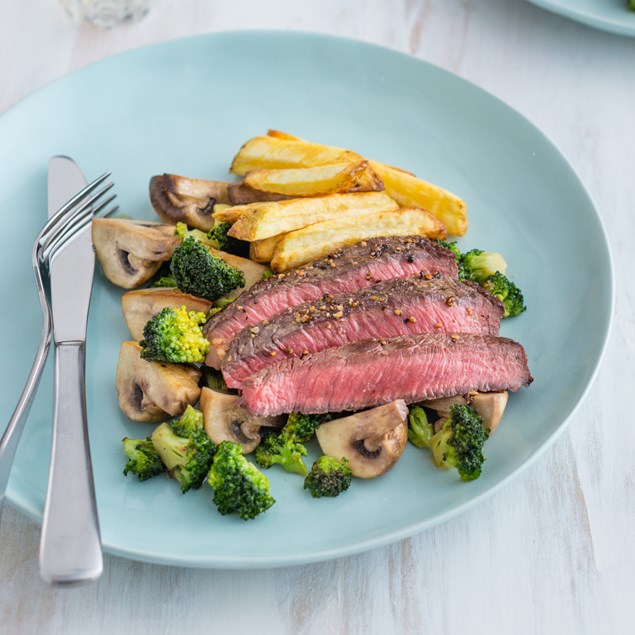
column 490, row 405
column 225, row 420
column 141, row 305
column 241, row 194
column 372, row 440
column 178, row 199
column 154, row 391
column 131, row 252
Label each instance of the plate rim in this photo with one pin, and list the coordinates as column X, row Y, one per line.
column 588, row 18
column 261, row 562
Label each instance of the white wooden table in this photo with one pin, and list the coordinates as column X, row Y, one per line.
column 554, row 551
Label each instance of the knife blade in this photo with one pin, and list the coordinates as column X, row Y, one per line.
column 70, row 547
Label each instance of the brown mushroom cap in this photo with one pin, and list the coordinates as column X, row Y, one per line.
column 225, row 420
column 153, row 391
column 141, row 305
column 131, row 252
column 372, row 441
column 241, row 194
column 178, row 199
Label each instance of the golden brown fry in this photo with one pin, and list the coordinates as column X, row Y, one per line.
column 262, row 250
column 404, row 187
column 321, row 239
column 316, row 181
column 263, row 220
column 409, row 191
column 274, row 153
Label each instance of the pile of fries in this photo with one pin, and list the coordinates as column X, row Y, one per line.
column 299, row 201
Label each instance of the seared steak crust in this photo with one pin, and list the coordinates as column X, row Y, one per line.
column 355, row 267
column 373, row 372
column 402, row 306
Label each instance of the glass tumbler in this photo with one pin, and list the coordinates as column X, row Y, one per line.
column 107, row 13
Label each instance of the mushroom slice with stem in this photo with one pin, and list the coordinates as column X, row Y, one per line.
column 154, row 391
column 141, row 305
column 178, row 199
column 490, row 405
column 131, row 252
column 372, row 440
column 225, row 420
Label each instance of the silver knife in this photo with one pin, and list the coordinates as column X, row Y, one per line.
column 70, row 548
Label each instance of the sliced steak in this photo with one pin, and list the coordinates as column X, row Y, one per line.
column 402, row 306
column 356, row 267
column 365, row 374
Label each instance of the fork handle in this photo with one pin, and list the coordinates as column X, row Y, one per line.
column 70, row 548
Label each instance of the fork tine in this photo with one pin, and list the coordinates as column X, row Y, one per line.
column 58, row 219
column 65, row 237
column 80, row 196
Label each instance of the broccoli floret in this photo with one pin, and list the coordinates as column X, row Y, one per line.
column 202, row 274
column 459, row 443
column 303, row 427
column 164, row 281
column 420, row 431
column 507, row 292
column 452, row 247
column 267, row 273
column 174, row 335
column 477, row 265
column 239, row 487
column 218, row 238
column 328, row 477
column 284, row 449
column 188, row 459
column 190, row 421
column 631, row 5
column 143, row 459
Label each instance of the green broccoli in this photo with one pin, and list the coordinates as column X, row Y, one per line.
column 164, row 281
column 420, row 432
column 284, row 449
column 143, row 459
column 239, row 487
column 217, row 236
column 477, row 265
column 174, row 335
column 267, row 273
column 488, row 269
column 460, row 441
column 328, row 477
column 197, row 271
column 507, row 292
column 631, row 5
column 190, row 421
column 452, row 247
column 188, row 459
column 303, row 427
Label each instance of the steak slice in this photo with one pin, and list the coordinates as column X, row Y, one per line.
column 355, row 267
column 369, row 373
column 401, row 306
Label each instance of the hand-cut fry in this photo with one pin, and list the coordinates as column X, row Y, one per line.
column 262, row 250
column 321, row 239
column 274, row 153
column 409, row 191
column 317, row 181
column 404, row 187
column 263, row 220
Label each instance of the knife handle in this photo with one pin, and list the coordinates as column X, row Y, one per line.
column 70, row 548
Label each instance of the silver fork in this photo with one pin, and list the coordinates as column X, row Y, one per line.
column 61, row 228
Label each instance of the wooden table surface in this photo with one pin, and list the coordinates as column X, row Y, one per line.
column 554, row 550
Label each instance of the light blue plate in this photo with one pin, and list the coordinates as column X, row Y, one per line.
column 607, row 15
column 186, row 107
